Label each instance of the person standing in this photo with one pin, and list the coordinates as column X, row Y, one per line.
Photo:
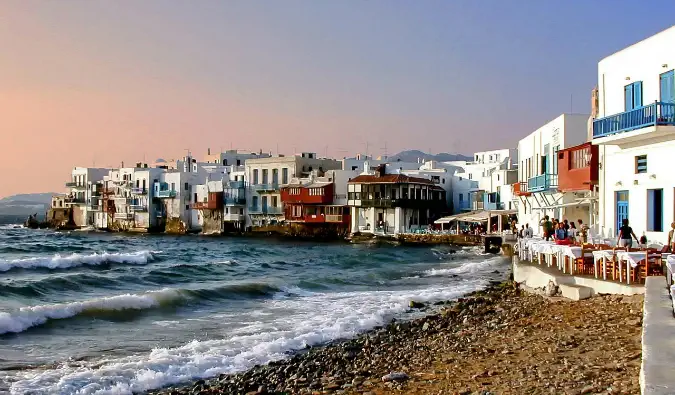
column 572, row 231
column 626, row 235
column 671, row 238
column 528, row 231
column 547, row 227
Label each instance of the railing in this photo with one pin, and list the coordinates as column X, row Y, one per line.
column 494, row 206
column 139, row 207
column 211, row 205
column 266, row 187
column 542, row 182
column 236, row 184
column 235, row 201
column 75, row 200
column 124, row 215
column 71, row 184
column 233, row 217
column 464, row 205
column 334, row 218
column 264, row 210
column 139, row 191
column 166, row 194
column 657, row 113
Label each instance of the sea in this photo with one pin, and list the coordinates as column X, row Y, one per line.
column 102, row 313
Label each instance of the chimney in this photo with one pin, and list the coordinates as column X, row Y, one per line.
column 208, row 151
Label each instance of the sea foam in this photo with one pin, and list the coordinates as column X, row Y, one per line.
column 64, row 262
column 28, row 317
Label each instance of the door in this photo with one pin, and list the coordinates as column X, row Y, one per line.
column 264, row 204
column 621, row 208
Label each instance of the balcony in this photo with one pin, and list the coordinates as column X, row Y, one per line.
column 233, row 217
column 520, row 189
column 166, row 194
column 209, row 205
column 542, row 183
column 266, row 187
column 123, row 216
column 650, row 118
column 464, row 205
column 236, row 184
column 265, row 210
column 405, row 202
column 71, row 184
column 139, row 191
column 235, row 201
column 139, row 207
column 578, row 168
column 493, row 206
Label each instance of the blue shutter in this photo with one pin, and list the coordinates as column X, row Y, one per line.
column 637, row 94
column 628, row 97
column 668, row 87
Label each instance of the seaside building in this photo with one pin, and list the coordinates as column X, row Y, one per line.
column 232, row 157
column 485, row 183
column 266, row 176
column 538, row 188
column 208, row 203
column 318, row 204
column 80, row 194
column 382, row 203
column 634, row 129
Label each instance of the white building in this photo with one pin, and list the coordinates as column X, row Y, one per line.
column 357, row 163
column 538, row 172
column 232, row 157
column 265, row 176
column 485, row 183
column 635, row 132
column 80, row 194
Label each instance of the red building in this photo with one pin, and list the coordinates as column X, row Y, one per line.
column 578, row 168
column 313, row 203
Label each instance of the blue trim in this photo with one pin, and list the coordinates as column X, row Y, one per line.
column 657, row 113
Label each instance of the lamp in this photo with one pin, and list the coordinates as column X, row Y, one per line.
column 588, row 156
column 627, row 78
column 618, row 184
column 664, row 65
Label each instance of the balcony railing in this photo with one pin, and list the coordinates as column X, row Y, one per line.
column 542, row 183
column 166, row 194
column 139, row 191
column 124, row 215
column 657, row 113
column 210, row 205
column 266, row 187
column 235, row 184
column 494, row 206
column 139, row 207
column 71, row 184
column 334, row 218
column 264, row 210
column 235, row 201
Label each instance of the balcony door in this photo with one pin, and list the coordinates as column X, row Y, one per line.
column 621, row 208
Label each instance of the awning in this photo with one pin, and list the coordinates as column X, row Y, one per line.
column 583, row 202
column 474, row 216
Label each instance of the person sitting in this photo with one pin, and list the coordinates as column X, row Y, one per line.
column 561, row 234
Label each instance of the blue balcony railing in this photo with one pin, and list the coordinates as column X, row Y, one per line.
column 236, row 184
column 493, row 206
column 166, row 194
column 657, row 113
column 139, row 191
column 542, row 183
column 234, row 201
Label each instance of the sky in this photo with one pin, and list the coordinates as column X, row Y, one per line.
column 98, row 83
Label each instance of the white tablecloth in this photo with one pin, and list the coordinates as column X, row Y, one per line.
column 632, row 257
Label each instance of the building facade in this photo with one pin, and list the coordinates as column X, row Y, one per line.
column 634, row 129
column 538, row 173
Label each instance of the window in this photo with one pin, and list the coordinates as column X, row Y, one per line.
column 264, row 176
column 187, row 186
column 580, row 159
column 655, row 210
column 187, row 206
column 640, row 164
column 354, row 168
column 255, row 202
column 275, row 176
column 195, row 198
column 274, row 201
column 255, row 176
column 238, row 162
column 633, row 95
column 470, row 176
column 497, row 177
column 173, row 186
column 224, row 162
column 461, row 197
column 284, row 175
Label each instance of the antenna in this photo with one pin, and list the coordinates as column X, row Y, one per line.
column 571, row 104
column 385, row 152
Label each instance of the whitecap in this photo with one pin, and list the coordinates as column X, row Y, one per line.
column 64, row 262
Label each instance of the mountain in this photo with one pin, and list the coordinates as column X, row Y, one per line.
column 413, row 155
column 17, row 208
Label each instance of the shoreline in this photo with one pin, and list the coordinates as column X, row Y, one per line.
column 499, row 340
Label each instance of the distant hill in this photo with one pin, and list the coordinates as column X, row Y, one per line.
column 413, row 155
column 18, row 207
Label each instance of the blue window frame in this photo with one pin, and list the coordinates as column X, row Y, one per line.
column 655, row 210
column 633, row 95
column 667, row 87
column 640, row 164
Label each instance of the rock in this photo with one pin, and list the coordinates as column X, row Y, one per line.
column 588, row 389
column 415, row 305
column 425, row 327
column 395, row 376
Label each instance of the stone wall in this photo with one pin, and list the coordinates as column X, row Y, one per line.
column 212, row 221
column 175, row 226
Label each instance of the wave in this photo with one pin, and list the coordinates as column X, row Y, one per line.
column 469, row 267
column 12, row 226
column 64, row 262
column 304, row 322
column 28, row 317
